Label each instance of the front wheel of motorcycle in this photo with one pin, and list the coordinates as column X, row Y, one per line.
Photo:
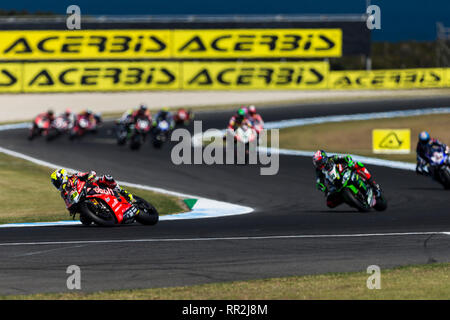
column 445, row 177
column 148, row 215
column 97, row 214
column 135, row 142
column 33, row 133
column 381, row 203
column 85, row 220
column 352, row 201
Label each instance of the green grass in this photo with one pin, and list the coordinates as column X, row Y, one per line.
column 412, row 282
column 356, row 136
column 27, row 195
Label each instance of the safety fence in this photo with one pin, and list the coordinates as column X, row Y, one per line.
column 233, row 58
column 23, row 77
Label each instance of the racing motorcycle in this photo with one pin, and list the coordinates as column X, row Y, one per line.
column 83, row 124
column 439, row 161
column 259, row 127
column 104, row 206
column 183, row 117
column 40, row 127
column 244, row 135
column 58, row 127
column 354, row 189
column 160, row 133
column 122, row 132
column 138, row 133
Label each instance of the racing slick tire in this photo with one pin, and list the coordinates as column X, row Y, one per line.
column 445, row 177
column 381, row 203
column 148, row 215
column 104, row 219
column 352, row 201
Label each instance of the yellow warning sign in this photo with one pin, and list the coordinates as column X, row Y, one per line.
column 391, row 140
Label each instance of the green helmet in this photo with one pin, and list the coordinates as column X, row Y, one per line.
column 241, row 112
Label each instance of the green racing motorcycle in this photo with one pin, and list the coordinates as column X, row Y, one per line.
column 354, row 189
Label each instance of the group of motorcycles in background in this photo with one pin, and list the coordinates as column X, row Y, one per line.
column 135, row 126
column 67, row 123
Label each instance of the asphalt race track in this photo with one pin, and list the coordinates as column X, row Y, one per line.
column 269, row 242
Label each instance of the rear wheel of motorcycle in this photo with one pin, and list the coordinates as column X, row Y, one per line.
column 148, row 215
column 381, row 203
column 89, row 210
column 352, row 201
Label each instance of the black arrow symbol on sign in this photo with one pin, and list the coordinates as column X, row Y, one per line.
column 12, row 79
column 391, row 141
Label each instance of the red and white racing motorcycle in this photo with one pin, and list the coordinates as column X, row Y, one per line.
column 105, row 206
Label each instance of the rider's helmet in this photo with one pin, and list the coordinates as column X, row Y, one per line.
column 68, row 111
column 50, row 112
column 424, row 137
column 142, row 109
column 320, row 159
column 163, row 113
column 241, row 114
column 59, row 178
column 252, row 110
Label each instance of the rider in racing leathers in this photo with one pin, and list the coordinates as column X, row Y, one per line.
column 126, row 117
column 253, row 116
column 141, row 113
column 322, row 163
column 60, row 180
column 424, row 146
column 69, row 117
column 164, row 115
column 238, row 119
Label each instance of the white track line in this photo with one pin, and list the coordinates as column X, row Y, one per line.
column 274, row 237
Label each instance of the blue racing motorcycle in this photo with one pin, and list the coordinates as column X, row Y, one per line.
column 439, row 161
